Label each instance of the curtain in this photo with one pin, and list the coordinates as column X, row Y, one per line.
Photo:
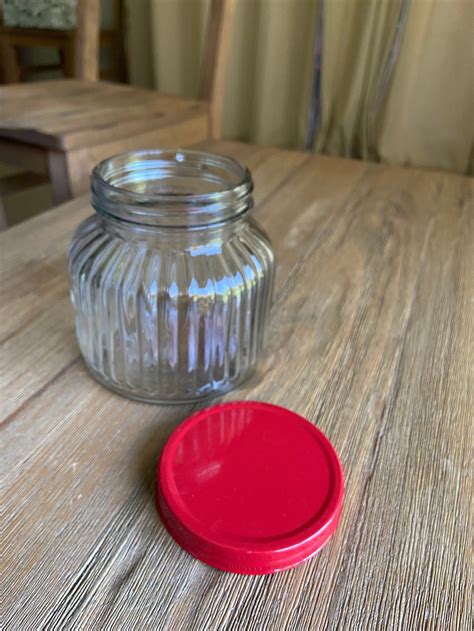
column 428, row 118
column 269, row 74
column 397, row 82
column 393, row 81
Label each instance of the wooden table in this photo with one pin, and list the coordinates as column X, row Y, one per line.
column 371, row 338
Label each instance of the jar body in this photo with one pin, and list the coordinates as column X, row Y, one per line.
column 170, row 315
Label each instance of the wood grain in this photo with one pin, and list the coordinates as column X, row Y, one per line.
column 371, row 339
column 87, row 49
column 69, row 114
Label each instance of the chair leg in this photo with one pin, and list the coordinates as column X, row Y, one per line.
column 59, row 176
column 9, row 61
column 67, row 58
column 3, row 217
column 68, row 174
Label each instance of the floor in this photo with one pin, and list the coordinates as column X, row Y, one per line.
column 25, row 204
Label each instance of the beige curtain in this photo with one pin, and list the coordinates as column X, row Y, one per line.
column 429, row 115
column 414, row 107
column 396, row 80
column 269, row 74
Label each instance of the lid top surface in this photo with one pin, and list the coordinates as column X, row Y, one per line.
column 251, row 476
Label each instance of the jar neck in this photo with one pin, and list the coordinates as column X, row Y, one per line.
column 170, row 237
column 171, row 189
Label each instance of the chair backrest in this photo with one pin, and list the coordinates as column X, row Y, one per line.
column 216, row 55
column 86, row 53
column 216, row 51
column 77, row 36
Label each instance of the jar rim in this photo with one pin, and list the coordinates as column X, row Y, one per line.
column 171, row 187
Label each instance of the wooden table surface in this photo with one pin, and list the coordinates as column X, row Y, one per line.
column 371, row 339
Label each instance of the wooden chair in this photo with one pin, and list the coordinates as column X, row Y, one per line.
column 61, row 129
column 15, row 39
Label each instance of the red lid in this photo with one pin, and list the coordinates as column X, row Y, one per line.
column 249, row 487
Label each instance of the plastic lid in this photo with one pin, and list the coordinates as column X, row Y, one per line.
column 249, row 487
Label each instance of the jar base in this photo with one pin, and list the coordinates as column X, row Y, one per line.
column 174, row 401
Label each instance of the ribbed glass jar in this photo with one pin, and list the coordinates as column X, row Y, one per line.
column 171, row 280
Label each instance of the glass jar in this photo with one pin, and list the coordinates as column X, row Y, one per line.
column 171, row 281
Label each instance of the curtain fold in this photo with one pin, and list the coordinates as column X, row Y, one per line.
column 395, row 85
column 357, row 41
column 413, row 107
column 428, row 116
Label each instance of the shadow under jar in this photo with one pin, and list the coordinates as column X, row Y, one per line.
column 171, row 280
